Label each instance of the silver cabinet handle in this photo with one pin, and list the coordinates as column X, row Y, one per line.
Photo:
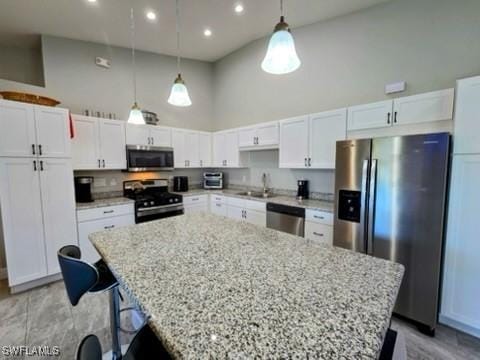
column 109, row 211
column 388, row 117
column 317, row 234
column 40, row 149
column 306, row 162
column 195, row 199
column 34, row 165
column 395, row 117
column 201, row 163
column 219, row 205
column 318, row 217
column 109, row 227
column 99, row 163
column 103, row 161
column 153, row 141
column 33, row 149
column 309, row 162
column 41, row 165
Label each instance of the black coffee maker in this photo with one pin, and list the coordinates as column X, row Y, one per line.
column 83, row 189
column 302, row 189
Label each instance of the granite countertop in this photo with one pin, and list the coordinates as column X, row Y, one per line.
column 220, row 288
column 119, row 200
column 321, row 205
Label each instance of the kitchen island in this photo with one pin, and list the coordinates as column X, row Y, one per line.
column 218, row 288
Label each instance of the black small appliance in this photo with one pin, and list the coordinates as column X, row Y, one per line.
column 83, row 189
column 180, row 183
column 302, row 189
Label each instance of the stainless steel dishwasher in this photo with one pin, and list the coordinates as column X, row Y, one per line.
column 289, row 219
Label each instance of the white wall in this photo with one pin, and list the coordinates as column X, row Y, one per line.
column 349, row 59
column 21, row 64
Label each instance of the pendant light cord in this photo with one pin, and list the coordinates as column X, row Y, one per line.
column 134, row 67
column 177, row 15
column 281, row 8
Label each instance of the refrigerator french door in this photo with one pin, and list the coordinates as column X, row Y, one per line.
column 390, row 203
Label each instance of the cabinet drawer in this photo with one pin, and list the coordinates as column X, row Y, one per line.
column 192, row 200
column 319, row 233
column 321, row 217
column 197, row 207
column 256, row 205
column 217, row 198
column 218, row 208
column 104, row 212
column 236, row 202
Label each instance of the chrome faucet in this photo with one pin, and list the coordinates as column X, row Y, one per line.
column 264, row 181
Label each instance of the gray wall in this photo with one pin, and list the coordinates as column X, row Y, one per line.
column 349, row 59
column 72, row 77
column 21, row 64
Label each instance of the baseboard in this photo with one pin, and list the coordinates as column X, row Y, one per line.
column 3, row 273
column 35, row 283
column 445, row 320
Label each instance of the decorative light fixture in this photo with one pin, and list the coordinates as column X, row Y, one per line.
column 207, row 32
column 151, row 15
column 179, row 94
column 239, row 8
column 281, row 57
column 136, row 116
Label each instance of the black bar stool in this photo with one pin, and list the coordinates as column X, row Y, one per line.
column 81, row 277
column 145, row 345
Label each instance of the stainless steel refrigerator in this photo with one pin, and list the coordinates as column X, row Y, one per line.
column 390, row 203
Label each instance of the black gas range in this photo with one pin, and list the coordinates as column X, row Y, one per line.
column 152, row 199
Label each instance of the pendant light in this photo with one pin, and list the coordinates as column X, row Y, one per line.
column 281, row 57
column 179, row 93
column 136, row 116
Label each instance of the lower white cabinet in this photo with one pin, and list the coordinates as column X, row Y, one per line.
column 461, row 285
column 250, row 211
column 98, row 219
column 319, row 233
column 38, row 215
column 196, row 203
column 218, row 205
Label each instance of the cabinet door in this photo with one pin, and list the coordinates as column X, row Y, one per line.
column 17, row 124
column 53, row 132
column 319, row 233
column 467, row 117
column 58, row 205
column 219, row 149
column 325, row 130
column 196, row 208
column 246, row 137
column 235, row 213
column 85, row 144
column 256, row 217
column 22, row 220
column 160, row 136
column 294, row 143
column 268, row 134
column 432, row 106
column 179, row 153
column 218, row 208
column 138, row 135
column 112, row 144
column 461, row 286
column 369, row 116
column 191, row 149
column 231, row 149
column 205, row 149
column 89, row 254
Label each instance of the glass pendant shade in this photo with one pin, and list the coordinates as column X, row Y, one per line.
column 281, row 57
column 136, row 116
column 179, row 93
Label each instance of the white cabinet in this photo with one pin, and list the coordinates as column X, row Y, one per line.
column 250, row 211
column 461, row 286
column 259, row 137
column 195, row 203
column 148, row 135
column 98, row 219
column 33, row 130
column 192, row 149
column 218, row 205
column 226, row 151
column 467, row 117
column 205, row 149
column 319, row 233
column 369, row 116
column 294, row 143
column 309, row 141
column 98, row 144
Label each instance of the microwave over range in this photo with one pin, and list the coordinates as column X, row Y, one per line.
column 149, row 158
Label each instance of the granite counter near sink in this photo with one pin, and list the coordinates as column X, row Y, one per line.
column 97, row 203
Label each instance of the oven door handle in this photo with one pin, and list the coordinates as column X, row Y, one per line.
column 159, row 210
column 167, row 207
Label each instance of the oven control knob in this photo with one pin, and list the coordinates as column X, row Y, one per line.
column 152, row 202
column 171, row 200
column 145, row 203
column 176, row 200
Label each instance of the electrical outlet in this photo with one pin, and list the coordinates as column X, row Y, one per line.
column 113, row 182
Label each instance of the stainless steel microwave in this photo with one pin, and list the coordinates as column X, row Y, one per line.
column 149, row 158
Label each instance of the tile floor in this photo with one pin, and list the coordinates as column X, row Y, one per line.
column 45, row 316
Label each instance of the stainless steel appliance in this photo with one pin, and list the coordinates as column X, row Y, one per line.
column 289, row 219
column 152, row 199
column 213, row 180
column 83, row 189
column 390, row 203
column 180, row 183
column 149, row 158
column 302, row 189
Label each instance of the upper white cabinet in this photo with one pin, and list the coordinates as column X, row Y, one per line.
column 32, row 130
column 461, row 286
column 259, row 137
column 226, row 152
column 148, row 135
column 205, row 149
column 467, row 117
column 192, row 149
column 370, row 116
column 428, row 107
column 98, row 144
column 319, row 132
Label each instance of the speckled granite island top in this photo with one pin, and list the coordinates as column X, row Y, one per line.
column 216, row 288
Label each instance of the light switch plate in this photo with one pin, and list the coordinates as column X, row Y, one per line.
column 395, row 87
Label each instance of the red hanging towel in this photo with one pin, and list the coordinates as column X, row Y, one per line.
column 72, row 129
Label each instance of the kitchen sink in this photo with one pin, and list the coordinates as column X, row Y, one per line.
column 256, row 194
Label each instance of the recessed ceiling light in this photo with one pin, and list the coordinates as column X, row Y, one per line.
column 207, row 32
column 239, row 8
column 151, row 15
column 92, row 1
